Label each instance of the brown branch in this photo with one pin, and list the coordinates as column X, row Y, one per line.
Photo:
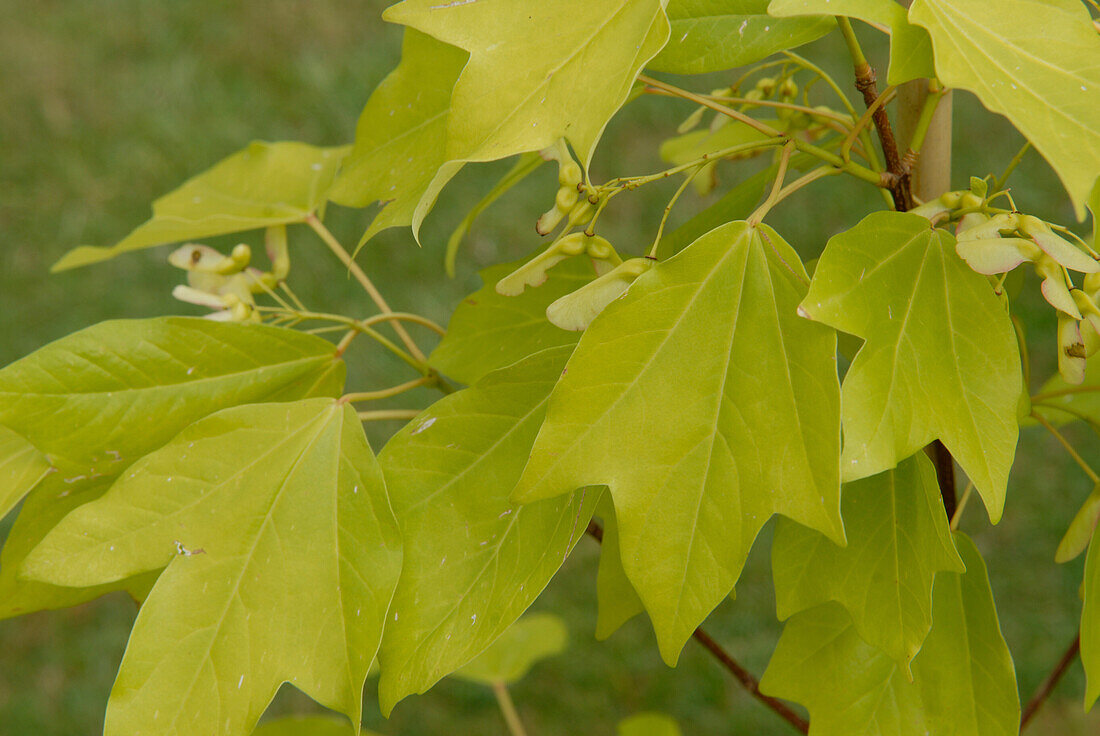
column 747, row 680
column 867, row 84
column 1048, row 685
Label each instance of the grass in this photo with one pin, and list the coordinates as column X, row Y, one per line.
column 109, row 105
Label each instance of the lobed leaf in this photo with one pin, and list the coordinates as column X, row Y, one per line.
column 263, row 185
column 898, row 539
column 963, row 683
column 538, row 72
column 282, row 555
column 910, row 45
column 714, row 35
column 308, row 726
column 474, row 561
column 616, row 600
column 1037, row 62
column 940, row 358
column 104, row 396
column 45, row 506
column 534, row 637
column 706, row 405
column 399, row 155
column 22, row 466
column 488, row 331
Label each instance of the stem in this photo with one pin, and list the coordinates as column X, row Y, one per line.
column 860, row 172
column 338, row 250
column 386, row 414
column 405, row 317
column 868, row 87
column 850, row 39
column 388, row 392
column 749, row 682
column 1071, row 411
column 1003, row 178
column 924, row 121
column 1069, row 448
column 777, row 185
column 1064, row 392
column 1048, row 685
column 962, row 505
column 508, row 709
column 742, row 675
column 668, row 208
column 861, row 124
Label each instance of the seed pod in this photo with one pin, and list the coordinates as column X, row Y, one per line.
column 569, row 174
column 534, row 272
column 238, row 259
column 277, row 251
column 603, row 255
column 970, row 220
column 1089, row 311
column 1054, row 287
column 691, row 121
column 201, row 258
column 548, row 221
column 970, row 200
column 580, row 212
column 1071, row 351
column 996, row 255
column 994, row 227
column 1092, row 285
column 766, row 86
column 1057, row 247
column 576, row 311
column 788, row 89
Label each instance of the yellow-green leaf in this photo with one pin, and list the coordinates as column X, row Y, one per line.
column 490, row 331
column 538, row 72
column 910, row 46
column 1033, row 61
column 707, row 405
column 963, row 683
column 616, row 600
column 533, row 638
column 940, row 358
column 103, row 397
column 478, row 561
column 714, row 35
column 282, row 555
column 265, row 184
column 43, row 509
column 898, row 540
column 399, row 154
column 22, row 466
column 309, row 726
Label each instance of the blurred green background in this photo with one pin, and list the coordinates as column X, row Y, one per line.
column 105, row 106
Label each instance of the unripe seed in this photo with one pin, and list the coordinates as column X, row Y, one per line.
column 788, row 88
column 569, row 174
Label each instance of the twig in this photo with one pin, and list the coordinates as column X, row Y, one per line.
column 867, row 85
column 747, row 680
column 1048, row 685
column 386, row 414
column 508, row 709
column 388, row 392
column 1069, row 447
column 368, row 286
